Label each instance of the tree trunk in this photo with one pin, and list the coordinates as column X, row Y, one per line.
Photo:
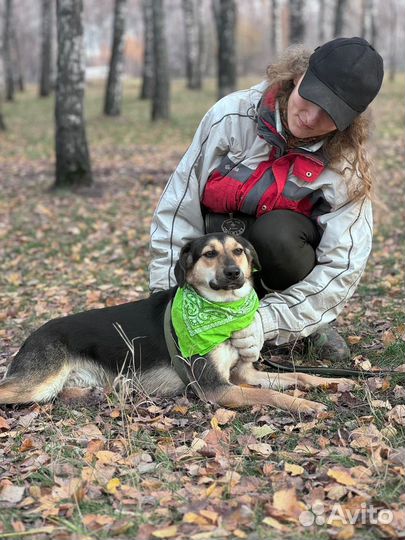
column 161, row 93
column 72, row 155
column 147, row 75
column 340, row 9
column 297, row 27
column 368, row 21
column 45, row 86
column 113, row 96
column 275, row 29
column 393, row 31
column 7, row 56
column 321, row 22
column 193, row 43
column 225, row 17
column 2, row 123
column 18, row 64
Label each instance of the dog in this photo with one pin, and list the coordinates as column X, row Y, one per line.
column 86, row 349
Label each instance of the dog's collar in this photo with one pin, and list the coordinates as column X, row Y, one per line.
column 202, row 325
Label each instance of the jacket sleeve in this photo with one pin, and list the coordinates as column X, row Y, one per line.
column 177, row 218
column 342, row 255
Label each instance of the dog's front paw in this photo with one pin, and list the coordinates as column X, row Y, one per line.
column 311, row 407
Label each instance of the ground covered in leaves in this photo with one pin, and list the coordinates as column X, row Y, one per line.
column 125, row 466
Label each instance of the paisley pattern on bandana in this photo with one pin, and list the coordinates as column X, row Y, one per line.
column 202, row 325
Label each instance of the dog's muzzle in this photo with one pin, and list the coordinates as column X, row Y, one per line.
column 232, row 278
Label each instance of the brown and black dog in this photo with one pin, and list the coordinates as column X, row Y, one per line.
column 87, row 349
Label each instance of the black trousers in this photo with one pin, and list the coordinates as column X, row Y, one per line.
column 285, row 242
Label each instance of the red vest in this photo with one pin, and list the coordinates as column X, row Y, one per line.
column 233, row 187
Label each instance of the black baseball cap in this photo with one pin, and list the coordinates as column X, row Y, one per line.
column 343, row 77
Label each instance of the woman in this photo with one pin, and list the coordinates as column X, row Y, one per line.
column 283, row 163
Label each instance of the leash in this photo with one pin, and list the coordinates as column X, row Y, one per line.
column 178, row 362
column 337, row 372
column 180, row 366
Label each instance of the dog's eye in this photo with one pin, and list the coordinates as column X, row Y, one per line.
column 238, row 251
column 211, row 254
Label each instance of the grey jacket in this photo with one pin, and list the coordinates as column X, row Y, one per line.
column 229, row 128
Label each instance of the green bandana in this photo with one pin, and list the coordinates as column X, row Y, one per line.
column 202, row 325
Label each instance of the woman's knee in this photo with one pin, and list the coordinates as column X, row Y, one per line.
column 285, row 242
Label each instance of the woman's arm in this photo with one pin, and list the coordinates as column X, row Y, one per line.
column 227, row 126
column 342, row 255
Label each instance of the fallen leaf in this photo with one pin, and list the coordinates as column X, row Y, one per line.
column 113, row 485
column 11, row 494
column 263, row 449
column 4, row 424
column 26, row 445
column 285, row 501
column 224, row 416
column 263, row 431
column 342, row 476
column 196, row 519
column 294, row 469
column 397, row 415
column 167, row 532
column 271, row 522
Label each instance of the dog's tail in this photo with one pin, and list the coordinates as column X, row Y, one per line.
column 26, row 387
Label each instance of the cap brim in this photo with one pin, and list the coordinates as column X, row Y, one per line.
column 312, row 89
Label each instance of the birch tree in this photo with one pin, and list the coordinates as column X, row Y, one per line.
column 7, row 54
column 193, row 35
column 368, row 21
column 72, row 155
column 321, row 22
column 161, row 91
column 113, row 95
column 275, row 29
column 340, row 9
column 297, row 26
column 147, row 71
column 45, row 85
column 225, row 18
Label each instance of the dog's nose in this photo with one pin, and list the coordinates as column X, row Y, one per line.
column 232, row 272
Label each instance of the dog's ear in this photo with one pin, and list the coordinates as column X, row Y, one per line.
column 251, row 253
column 183, row 264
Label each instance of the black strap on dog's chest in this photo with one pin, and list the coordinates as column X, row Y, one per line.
column 178, row 362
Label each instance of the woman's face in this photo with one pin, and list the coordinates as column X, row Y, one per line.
column 305, row 119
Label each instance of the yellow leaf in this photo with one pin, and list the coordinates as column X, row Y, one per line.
column 113, row 485
column 180, row 409
column 192, row 517
column 263, row 431
column 106, row 457
column 295, row 470
column 224, row 416
column 209, row 514
column 286, row 501
column 342, row 476
column 275, row 524
column 346, row 532
column 214, row 423
column 353, row 340
column 167, row 532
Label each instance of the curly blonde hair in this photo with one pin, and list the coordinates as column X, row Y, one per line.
column 345, row 150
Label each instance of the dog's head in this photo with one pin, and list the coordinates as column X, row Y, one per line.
column 219, row 266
